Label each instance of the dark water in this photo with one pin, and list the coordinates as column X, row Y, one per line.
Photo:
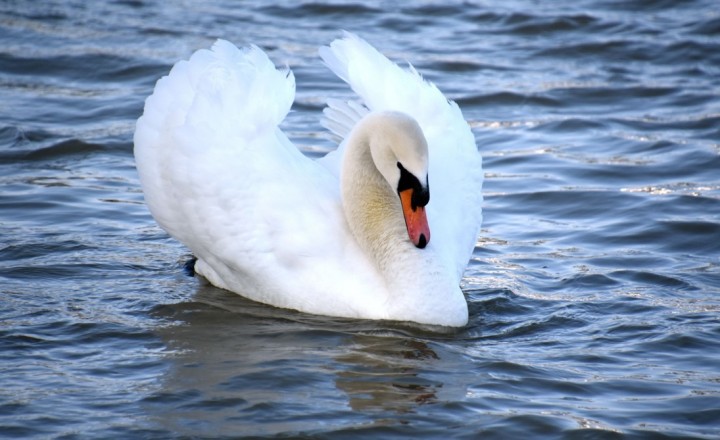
column 594, row 290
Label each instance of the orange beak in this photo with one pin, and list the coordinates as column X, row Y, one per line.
column 415, row 220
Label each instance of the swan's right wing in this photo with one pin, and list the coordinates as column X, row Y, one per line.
column 455, row 175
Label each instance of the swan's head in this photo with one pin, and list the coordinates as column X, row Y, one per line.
column 400, row 153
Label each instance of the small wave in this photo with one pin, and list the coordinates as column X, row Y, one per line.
column 106, row 67
column 709, row 27
column 66, row 148
column 319, row 9
column 523, row 24
column 572, row 124
column 16, row 252
column 650, row 278
column 508, row 99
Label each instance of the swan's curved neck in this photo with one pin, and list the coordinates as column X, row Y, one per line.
column 372, row 208
column 418, row 284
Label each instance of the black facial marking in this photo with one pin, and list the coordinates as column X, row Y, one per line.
column 421, row 195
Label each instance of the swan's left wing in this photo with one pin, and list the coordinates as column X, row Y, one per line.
column 220, row 176
column 455, row 175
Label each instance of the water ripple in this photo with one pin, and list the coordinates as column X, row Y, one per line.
column 592, row 290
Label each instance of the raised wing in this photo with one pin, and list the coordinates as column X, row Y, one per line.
column 219, row 176
column 455, row 174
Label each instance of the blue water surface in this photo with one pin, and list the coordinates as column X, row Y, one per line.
column 594, row 289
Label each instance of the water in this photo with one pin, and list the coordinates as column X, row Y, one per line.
column 593, row 292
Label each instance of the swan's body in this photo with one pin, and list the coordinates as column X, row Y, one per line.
column 328, row 236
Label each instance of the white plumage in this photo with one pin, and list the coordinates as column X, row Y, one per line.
column 268, row 223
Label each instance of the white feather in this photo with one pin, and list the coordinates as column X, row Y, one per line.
column 456, row 177
column 267, row 222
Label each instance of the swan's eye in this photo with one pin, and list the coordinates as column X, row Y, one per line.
column 420, row 193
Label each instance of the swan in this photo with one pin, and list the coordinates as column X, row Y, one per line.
column 381, row 228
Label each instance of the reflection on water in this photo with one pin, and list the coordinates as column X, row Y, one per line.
column 385, row 373
column 233, row 363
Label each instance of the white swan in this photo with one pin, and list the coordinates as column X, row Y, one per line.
column 329, row 236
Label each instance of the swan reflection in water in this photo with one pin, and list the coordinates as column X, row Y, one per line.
column 384, row 373
column 238, row 366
